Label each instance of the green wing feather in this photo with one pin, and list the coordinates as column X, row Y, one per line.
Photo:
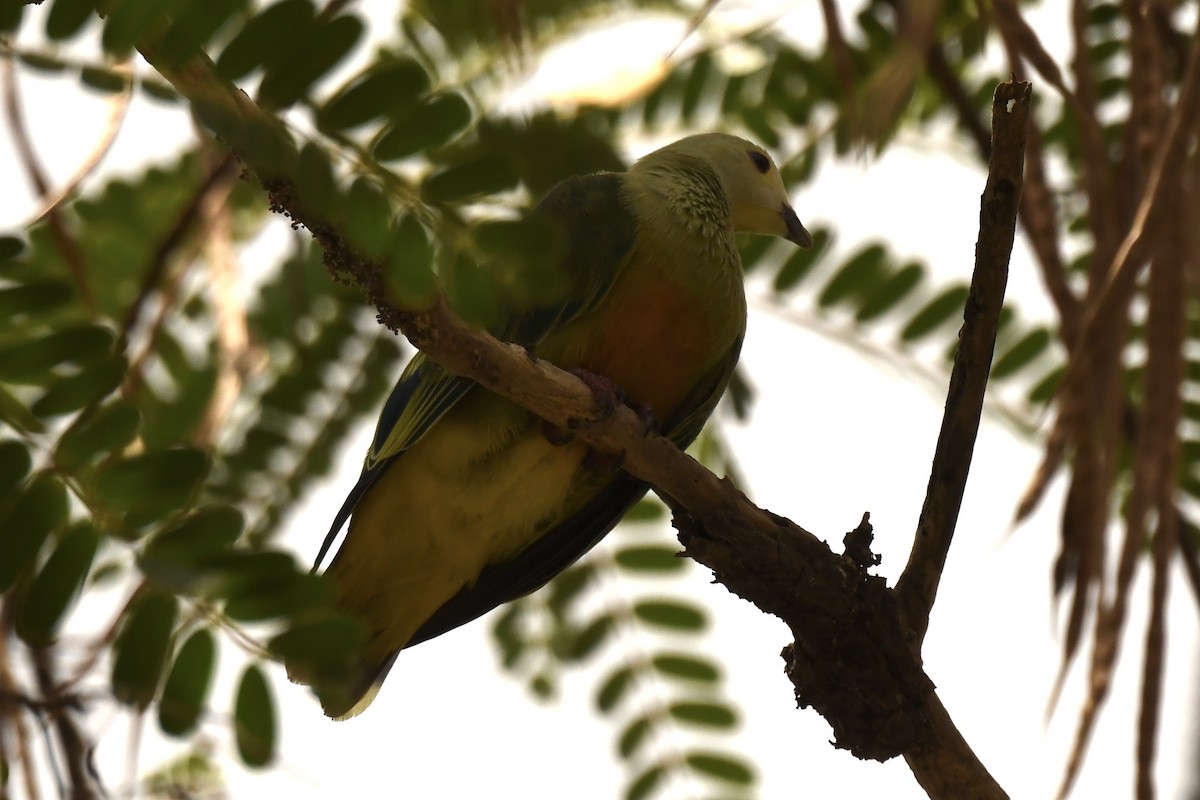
column 587, row 216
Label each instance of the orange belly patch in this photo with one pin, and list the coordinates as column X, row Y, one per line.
column 651, row 340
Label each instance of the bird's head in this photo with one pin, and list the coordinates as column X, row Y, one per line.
column 757, row 199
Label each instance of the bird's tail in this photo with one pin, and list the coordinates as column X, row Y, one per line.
column 347, row 700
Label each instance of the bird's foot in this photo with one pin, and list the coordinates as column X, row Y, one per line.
column 556, row 435
column 607, row 394
column 646, row 415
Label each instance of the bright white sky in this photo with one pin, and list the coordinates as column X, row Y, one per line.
column 832, row 435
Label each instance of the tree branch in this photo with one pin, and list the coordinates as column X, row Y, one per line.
column 918, row 584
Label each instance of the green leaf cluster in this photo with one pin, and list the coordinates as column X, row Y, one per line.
column 664, row 694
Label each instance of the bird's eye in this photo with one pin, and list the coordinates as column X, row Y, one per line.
column 761, row 162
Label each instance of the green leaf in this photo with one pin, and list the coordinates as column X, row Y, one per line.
column 687, row 667
column 254, row 718
column 188, row 684
column 106, row 81
column 708, row 715
column 434, row 121
column 40, row 62
column 721, row 767
column 1101, row 14
column 194, row 26
column 380, row 92
column 648, row 509
column 616, row 687
column 33, row 299
column 41, row 509
column 242, row 569
column 14, row 412
column 107, row 572
column 265, row 36
column 30, row 360
column 57, row 585
column 506, row 628
column 567, row 587
column 755, row 118
column 890, row 292
column 543, row 686
column 1024, row 351
column 858, row 276
column 73, row 392
column 636, row 734
column 153, row 483
column 108, row 430
column 410, row 281
column 587, row 641
column 1043, row 391
column 181, row 558
column 469, row 180
column 15, row 463
column 670, row 615
column 693, row 90
column 325, row 647
column 935, row 313
column 159, row 90
column 129, row 20
column 270, row 599
column 11, row 247
column 323, row 48
column 368, row 216
column 10, row 19
column 650, row 558
column 740, row 394
column 646, row 783
column 796, row 268
column 140, row 650
column 315, row 184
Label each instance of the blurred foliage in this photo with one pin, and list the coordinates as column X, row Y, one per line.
column 156, row 427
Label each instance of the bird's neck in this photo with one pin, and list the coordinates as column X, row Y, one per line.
column 687, row 207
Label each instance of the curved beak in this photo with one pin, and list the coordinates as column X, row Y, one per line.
column 795, row 229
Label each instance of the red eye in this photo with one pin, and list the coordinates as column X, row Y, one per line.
column 761, row 162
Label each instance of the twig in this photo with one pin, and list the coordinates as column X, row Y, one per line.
column 216, row 178
column 233, row 338
column 1022, row 42
column 118, row 107
column 1166, row 336
column 10, row 712
column 1129, row 257
column 74, row 745
column 839, row 51
column 69, row 248
column 918, row 584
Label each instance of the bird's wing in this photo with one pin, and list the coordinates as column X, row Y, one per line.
column 564, row 544
column 593, row 232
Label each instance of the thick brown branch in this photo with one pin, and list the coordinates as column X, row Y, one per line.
column 852, row 658
column 917, row 587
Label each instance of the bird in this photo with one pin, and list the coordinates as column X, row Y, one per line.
column 467, row 501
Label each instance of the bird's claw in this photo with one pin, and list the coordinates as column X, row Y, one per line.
column 646, row 415
column 606, row 393
column 556, row 435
